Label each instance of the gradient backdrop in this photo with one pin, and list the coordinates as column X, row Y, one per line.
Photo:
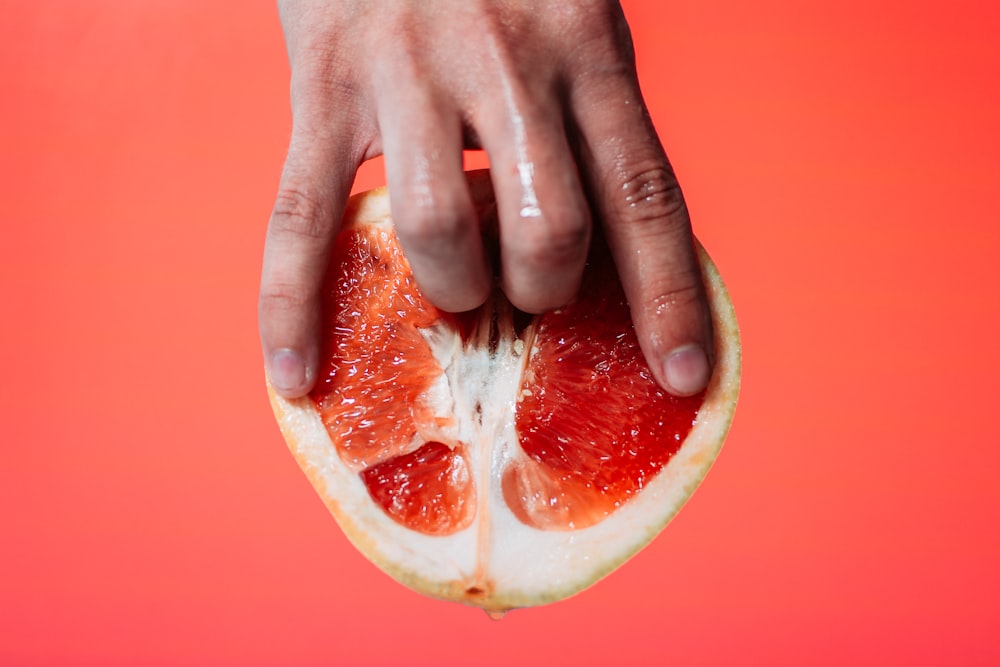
column 841, row 162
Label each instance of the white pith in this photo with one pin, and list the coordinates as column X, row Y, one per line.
column 498, row 562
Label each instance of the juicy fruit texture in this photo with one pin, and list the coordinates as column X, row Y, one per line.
column 592, row 423
column 373, row 391
column 492, row 457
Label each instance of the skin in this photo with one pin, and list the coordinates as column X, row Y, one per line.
column 550, row 92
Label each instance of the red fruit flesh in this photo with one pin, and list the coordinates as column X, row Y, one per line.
column 429, row 489
column 370, row 392
column 593, row 426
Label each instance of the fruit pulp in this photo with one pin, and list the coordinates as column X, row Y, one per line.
column 591, row 425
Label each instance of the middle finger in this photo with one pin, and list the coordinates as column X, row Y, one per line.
column 544, row 216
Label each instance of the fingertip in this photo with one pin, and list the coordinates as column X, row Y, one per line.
column 289, row 373
column 442, row 242
column 536, row 301
column 675, row 330
column 686, row 370
column 471, row 297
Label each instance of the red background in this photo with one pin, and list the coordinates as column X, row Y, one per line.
column 841, row 162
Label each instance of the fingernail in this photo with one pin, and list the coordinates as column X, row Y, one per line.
column 686, row 369
column 288, row 371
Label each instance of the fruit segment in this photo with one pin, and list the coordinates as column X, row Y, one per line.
column 374, row 392
column 593, row 425
column 429, row 489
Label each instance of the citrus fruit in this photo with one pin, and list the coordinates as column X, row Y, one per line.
column 492, row 457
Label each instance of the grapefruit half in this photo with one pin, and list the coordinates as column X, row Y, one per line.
column 495, row 458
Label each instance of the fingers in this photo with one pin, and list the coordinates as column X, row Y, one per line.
column 314, row 187
column 544, row 216
column 648, row 229
column 431, row 205
column 429, row 101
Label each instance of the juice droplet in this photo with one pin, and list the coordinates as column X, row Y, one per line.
column 496, row 614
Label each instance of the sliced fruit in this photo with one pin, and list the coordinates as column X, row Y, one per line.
column 495, row 458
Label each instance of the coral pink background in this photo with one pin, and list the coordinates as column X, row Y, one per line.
column 841, row 161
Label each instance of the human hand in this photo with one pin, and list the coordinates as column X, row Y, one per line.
column 549, row 90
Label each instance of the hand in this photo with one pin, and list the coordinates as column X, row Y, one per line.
column 549, row 90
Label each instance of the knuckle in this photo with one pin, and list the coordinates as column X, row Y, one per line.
column 323, row 74
column 595, row 22
column 603, row 47
column 651, row 196
column 299, row 215
column 683, row 292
